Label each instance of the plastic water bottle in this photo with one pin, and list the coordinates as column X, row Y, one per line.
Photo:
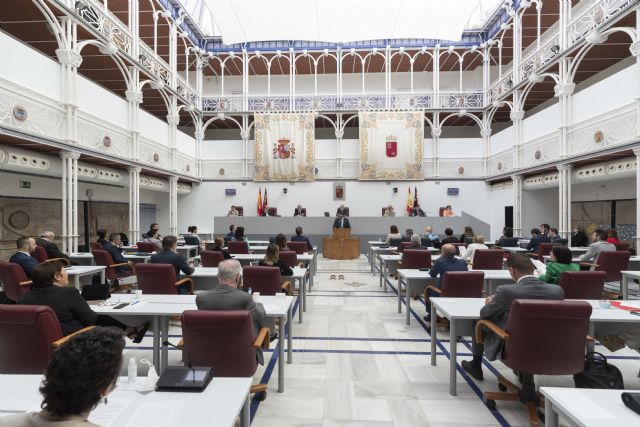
column 250, row 291
column 132, row 370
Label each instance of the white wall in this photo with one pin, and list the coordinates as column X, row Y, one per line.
column 605, row 190
column 101, row 103
column 539, row 207
column 498, row 199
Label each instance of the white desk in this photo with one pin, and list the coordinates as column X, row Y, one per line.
column 372, row 244
column 516, row 249
column 258, row 242
column 463, row 312
column 224, row 398
column 376, row 251
column 624, row 283
column 188, row 251
column 86, row 258
column 77, row 271
column 161, row 307
column 385, row 261
column 587, row 407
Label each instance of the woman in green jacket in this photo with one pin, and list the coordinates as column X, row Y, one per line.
column 560, row 262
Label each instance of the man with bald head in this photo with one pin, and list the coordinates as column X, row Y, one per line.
column 446, row 262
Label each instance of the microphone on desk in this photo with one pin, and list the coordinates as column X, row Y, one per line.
column 189, row 365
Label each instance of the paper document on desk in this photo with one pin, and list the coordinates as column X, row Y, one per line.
column 107, row 415
column 540, row 267
column 158, row 414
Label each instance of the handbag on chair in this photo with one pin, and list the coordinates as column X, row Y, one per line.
column 598, row 373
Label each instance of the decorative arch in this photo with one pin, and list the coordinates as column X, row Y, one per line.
column 118, row 61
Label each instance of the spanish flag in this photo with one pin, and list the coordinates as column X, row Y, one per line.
column 409, row 202
column 259, row 202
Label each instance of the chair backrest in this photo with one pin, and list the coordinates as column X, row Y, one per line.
column 622, row 246
column 582, row 284
column 441, row 211
column 395, row 242
column 236, row 247
column 289, row 257
column 146, row 247
column 104, row 258
column 510, row 242
column 425, row 241
column 462, row 284
column 613, row 263
column 157, row 279
column 487, row 259
column 298, row 247
column 36, row 322
column 211, row 258
column 240, row 210
column 191, row 240
column 536, row 326
column 416, row 258
column 303, row 211
column 40, row 253
column 266, row 280
column 95, row 245
column 11, row 275
column 222, row 339
column 402, row 246
column 272, row 211
column 545, row 248
column 383, row 210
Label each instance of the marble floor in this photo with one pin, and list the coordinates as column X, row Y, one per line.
column 356, row 363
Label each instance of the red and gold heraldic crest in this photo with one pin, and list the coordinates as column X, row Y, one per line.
column 392, row 146
column 284, row 149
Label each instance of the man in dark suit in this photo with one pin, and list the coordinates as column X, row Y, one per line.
column 301, row 238
column 227, row 296
column 341, row 222
column 153, row 228
column 497, row 307
column 169, row 255
column 536, row 238
column 299, row 212
column 342, row 210
column 46, row 241
column 449, row 237
column 23, row 258
column 113, row 247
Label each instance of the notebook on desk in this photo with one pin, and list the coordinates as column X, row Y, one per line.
column 183, row 378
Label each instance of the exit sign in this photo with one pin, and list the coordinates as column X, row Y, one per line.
column 25, row 184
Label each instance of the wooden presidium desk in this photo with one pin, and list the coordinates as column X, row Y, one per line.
column 341, row 245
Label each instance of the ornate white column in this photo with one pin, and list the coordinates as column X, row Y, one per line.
column 564, row 91
column 70, row 60
column 199, row 136
column 516, row 117
column 134, row 99
column 172, row 121
column 635, row 51
column 435, row 135
column 173, row 205
column 134, row 204
column 486, row 140
column 636, row 151
column 564, row 200
column 517, row 205
column 69, row 201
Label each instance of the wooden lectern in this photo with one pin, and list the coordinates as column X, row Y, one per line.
column 341, row 245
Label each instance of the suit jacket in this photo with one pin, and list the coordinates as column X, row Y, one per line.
column 115, row 252
column 535, row 242
column 27, row 262
column 72, row 310
column 341, row 223
column 579, row 239
column 498, row 309
column 299, row 212
column 297, row 238
column 52, row 249
column 177, row 260
column 449, row 239
column 444, row 264
column 595, row 248
column 227, row 298
column 341, row 211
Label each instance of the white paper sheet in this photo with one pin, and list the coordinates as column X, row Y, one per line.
column 106, row 415
column 158, row 414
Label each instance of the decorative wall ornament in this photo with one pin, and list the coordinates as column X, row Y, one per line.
column 19, row 220
column 537, row 154
column 106, row 141
column 284, row 147
column 391, row 145
column 499, row 166
column 221, row 171
column 339, row 190
column 156, row 157
column 20, row 113
column 598, row 136
column 188, row 168
column 461, row 170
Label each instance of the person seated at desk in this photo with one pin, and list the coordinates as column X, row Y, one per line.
column 153, row 229
column 265, row 210
column 553, row 235
column 389, row 211
column 272, row 259
column 102, row 236
column 232, row 232
column 22, row 257
column 393, row 234
column 299, row 212
column 434, row 239
column 113, row 246
column 233, row 211
column 218, row 246
column 544, row 229
column 579, row 237
column 79, row 376
column 407, row 235
column 301, row 238
column 416, row 243
column 478, row 243
column 154, row 238
column 417, row 211
column 341, row 222
column 227, row 296
column 238, row 235
column 599, row 244
column 281, row 242
column 169, row 255
column 341, row 211
column 505, row 241
column 46, row 241
column 448, row 212
column 193, row 234
column 449, row 237
column 446, row 262
column 468, row 232
column 560, row 261
column 51, row 288
column 613, row 236
column 536, row 238
column 497, row 307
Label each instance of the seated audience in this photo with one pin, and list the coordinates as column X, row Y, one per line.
column 433, row 238
column 102, row 236
column 448, row 212
column 113, row 246
column 497, row 307
column 169, row 255
column 218, row 246
column 579, row 237
column 229, row 296
column 272, row 259
column 560, row 261
column 51, row 288
column 612, row 233
column 193, row 233
column 281, row 242
column 393, row 234
column 299, row 212
column 449, row 236
column 599, row 244
column 238, row 235
column 154, row 238
column 389, row 211
column 233, row 211
column 22, row 257
column 468, row 232
column 46, row 241
column 416, row 243
column 544, row 229
column 447, row 262
column 536, row 239
column 299, row 237
column 478, row 243
column 232, row 232
column 79, row 377
column 407, row 235
column 153, row 229
column 507, row 236
column 553, row 235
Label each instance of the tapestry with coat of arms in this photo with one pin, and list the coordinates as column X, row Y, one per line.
column 284, row 147
column 391, row 145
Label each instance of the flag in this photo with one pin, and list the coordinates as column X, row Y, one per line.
column 265, row 204
column 259, row 202
column 409, row 202
column 415, row 197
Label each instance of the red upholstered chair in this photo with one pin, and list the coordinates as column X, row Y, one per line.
column 383, row 211
column 534, row 327
column 104, row 258
column 458, row 284
column 14, row 280
column 289, row 257
column 240, row 210
column 298, row 247
column 146, row 247
column 403, row 245
column 611, row 263
column 441, row 211
column 582, row 284
column 95, row 245
column 235, row 247
column 487, row 259
column 160, row 279
column 415, row 258
column 266, row 280
column 207, row 336
column 622, row 246
column 543, row 249
column 273, row 211
column 40, row 325
column 211, row 258
column 40, row 253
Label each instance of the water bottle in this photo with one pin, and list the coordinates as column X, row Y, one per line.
column 250, row 291
column 132, row 371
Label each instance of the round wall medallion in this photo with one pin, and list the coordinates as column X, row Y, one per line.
column 20, row 113
column 537, row 154
column 156, row 157
column 19, row 220
column 598, row 136
column 188, row 168
column 461, row 170
column 106, row 141
column 499, row 166
column 221, row 171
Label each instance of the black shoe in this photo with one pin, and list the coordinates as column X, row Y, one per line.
column 140, row 333
column 273, row 336
column 472, row 370
column 260, row 396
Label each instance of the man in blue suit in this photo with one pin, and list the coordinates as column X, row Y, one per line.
column 23, row 257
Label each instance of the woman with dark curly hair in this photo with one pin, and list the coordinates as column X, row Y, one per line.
column 79, row 376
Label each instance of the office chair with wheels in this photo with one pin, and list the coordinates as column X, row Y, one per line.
column 582, row 284
column 289, row 257
column 415, row 258
column 487, row 259
column 298, row 247
column 458, row 284
column 40, row 253
column 235, row 247
column 160, row 279
column 113, row 272
column 612, row 263
column 211, row 258
column 266, row 280
column 14, row 280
